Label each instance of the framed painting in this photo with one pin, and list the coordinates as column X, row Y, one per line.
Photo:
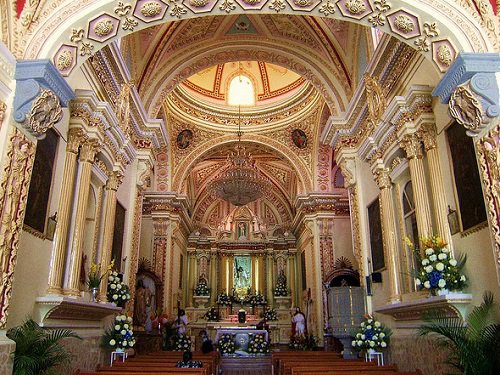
column 41, row 180
column 299, row 138
column 376, row 241
column 184, row 139
column 466, row 176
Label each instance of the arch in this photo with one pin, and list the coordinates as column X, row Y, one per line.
column 323, row 77
column 185, row 166
column 76, row 27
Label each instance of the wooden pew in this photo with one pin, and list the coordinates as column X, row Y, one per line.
column 286, row 365
column 354, row 372
column 278, row 356
column 164, row 363
column 170, row 371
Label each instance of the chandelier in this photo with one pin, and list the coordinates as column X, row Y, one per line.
column 239, row 182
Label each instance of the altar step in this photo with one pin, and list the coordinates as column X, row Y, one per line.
column 246, row 365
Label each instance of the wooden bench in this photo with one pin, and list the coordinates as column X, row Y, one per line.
column 286, row 365
column 327, row 371
column 278, row 356
column 172, row 371
column 146, row 365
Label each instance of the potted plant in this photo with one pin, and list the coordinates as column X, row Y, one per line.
column 38, row 350
column 474, row 343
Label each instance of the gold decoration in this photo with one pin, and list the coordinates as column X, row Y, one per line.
column 430, row 31
column 44, row 113
column 302, row 3
column 465, row 108
column 123, row 107
column 3, row 108
column 444, row 55
column 198, row 3
column 252, row 2
column 375, row 98
column 404, row 24
column 412, row 146
column 103, row 28
column 64, row 60
column 327, row 8
column 151, row 9
column 14, row 185
column 355, row 6
column 86, row 48
column 277, row 5
column 227, row 6
column 378, row 19
column 382, row 178
column 77, row 35
column 489, row 161
column 123, row 10
column 178, row 10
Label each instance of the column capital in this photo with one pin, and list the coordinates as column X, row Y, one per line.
column 382, row 178
column 115, row 179
column 412, row 146
column 89, row 149
column 75, row 138
column 427, row 133
column 3, row 109
column 471, row 89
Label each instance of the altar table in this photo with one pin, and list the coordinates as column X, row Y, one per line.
column 240, row 330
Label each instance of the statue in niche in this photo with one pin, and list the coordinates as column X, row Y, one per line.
column 242, row 231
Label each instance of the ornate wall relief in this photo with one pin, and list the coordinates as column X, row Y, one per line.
column 14, row 185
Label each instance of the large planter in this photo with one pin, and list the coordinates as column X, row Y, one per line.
column 201, row 301
column 283, row 302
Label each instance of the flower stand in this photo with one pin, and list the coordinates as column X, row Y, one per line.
column 283, row 302
column 201, row 301
column 371, row 353
column 117, row 353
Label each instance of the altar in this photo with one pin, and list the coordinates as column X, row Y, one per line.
column 241, row 337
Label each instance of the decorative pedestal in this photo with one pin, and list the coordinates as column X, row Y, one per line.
column 283, row 302
column 118, row 353
column 201, row 301
column 371, row 353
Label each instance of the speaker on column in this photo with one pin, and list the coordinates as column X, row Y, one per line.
column 376, row 277
column 369, row 286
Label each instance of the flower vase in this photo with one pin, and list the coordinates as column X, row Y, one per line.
column 94, row 295
column 443, row 292
column 119, row 350
column 371, row 351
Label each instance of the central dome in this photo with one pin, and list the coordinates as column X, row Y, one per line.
column 264, row 84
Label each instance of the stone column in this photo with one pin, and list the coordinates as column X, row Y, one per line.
column 213, row 277
column 428, row 135
column 389, row 231
column 56, row 270
column 114, row 180
column 87, row 153
column 412, row 146
column 269, row 277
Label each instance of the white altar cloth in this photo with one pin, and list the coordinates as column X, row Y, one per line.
column 236, row 330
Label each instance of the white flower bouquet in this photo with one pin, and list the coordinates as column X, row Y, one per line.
column 202, row 290
column 182, row 343
column 226, row 343
column 211, row 315
column 120, row 335
column 371, row 335
column 438, row 270
column 270, row 314
column 257, row 344
column 118, row 292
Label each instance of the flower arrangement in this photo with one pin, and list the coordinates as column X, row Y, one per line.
column 118, row 292
column 371, row 335
column 281, row 290
column 95, row 276
column 223, row 299
column 226, row 343
column 202, row 289
column 120, row 336
column 303, row 342
column 211, row 315
column 438, row 270
column 270, row 314
column 182, row 343
column 258, row 344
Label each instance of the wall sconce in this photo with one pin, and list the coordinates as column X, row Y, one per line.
column 51, row 227
column 453, row 221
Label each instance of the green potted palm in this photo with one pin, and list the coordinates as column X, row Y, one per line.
column 39, row 350
column 474, row 343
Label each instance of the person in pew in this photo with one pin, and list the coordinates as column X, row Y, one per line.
column 187, row 361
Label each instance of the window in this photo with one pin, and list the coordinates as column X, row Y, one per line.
column 241, row 91
column 376, row 240
column 118, row 233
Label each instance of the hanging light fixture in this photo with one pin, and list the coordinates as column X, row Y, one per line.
column 239, row 182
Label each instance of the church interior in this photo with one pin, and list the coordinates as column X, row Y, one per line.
column 246, row 156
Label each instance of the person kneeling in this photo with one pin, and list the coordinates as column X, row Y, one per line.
column 187, row 361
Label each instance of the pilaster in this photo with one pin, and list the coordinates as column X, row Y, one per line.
column 56, row 270
column 389, row 229
column 427, row 133
column 115, row 179
column 413, row 148
column 87, row 153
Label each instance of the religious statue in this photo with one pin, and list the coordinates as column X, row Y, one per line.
column 181, row 323
column 142, row 304
column 241, row 276
column 242, row 231
column 298, row 323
